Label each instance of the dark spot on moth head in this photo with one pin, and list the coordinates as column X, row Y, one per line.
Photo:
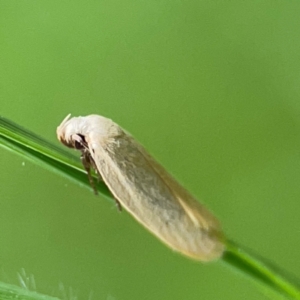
column 79, row 142
column 78, row 145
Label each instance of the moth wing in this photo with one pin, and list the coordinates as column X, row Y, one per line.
column 198, row 214
column 156, row 199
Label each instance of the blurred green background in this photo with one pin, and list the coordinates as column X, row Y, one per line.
column 211, row 88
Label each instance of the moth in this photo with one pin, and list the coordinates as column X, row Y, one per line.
column 143, row 187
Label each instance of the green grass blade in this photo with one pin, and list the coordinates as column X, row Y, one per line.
column 35, row 148
column 25, row 143
column 10, row 292
column 262, row 271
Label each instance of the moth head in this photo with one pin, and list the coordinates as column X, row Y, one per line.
column 68, row 134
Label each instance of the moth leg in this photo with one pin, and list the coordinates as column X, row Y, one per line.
column 87, row 163
column 99, row 177
column 119, row 206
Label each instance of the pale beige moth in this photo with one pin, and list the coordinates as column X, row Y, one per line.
column 143, row 187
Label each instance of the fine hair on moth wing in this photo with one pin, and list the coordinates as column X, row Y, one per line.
column 143, row 187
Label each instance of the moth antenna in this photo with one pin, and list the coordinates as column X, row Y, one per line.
column 66, row 119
